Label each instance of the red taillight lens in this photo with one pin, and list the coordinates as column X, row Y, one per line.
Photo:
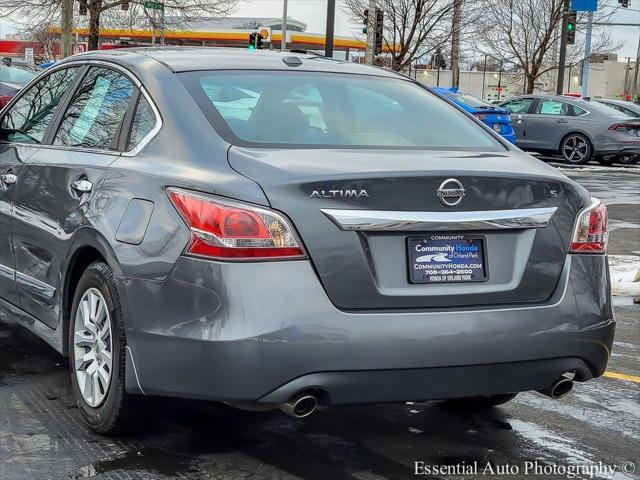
column 4, row 99
column 592, row 229
column 622, row 127
column 230, row 230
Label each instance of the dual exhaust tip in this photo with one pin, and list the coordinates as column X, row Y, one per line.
column 559, row 388
column 304, row 404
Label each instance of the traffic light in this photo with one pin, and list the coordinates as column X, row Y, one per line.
column 624, row 3
column 365, row 20
column 571, row 27
column 82, row 10
column 255, row 41
column 379, row 30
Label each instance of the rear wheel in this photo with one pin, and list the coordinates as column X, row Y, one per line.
column 97, row 354
column 629, row 159
column 480, row 403
column 576, row 149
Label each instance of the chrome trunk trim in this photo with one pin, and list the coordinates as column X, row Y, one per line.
column 380, row 220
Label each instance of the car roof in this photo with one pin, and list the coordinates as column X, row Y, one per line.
column 184, row 59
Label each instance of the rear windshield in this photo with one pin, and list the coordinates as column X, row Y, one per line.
column 471, row 101
column 313, row 109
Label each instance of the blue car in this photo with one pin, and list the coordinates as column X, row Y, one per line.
column 495, row 117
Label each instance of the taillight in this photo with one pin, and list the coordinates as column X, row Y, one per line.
column 592, row 229
column 4, row 99
column 226, row 229
column 623, row 127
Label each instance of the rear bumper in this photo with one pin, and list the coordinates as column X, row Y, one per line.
column 263, row 331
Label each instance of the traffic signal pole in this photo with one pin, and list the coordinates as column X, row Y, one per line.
column 331, row 19
column 283, row 42
column 587, row 54
column 563, row 47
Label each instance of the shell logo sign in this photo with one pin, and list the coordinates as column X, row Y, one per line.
column 265, row 33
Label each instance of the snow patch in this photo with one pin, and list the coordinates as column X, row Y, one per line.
column 623, row 270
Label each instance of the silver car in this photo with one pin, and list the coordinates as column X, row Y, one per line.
column 577, row 129
column 281, row 231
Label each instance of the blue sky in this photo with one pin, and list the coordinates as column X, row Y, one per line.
column 313, row 12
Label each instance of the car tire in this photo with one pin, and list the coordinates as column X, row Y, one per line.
column 629, row 159
column 480, row 403
column 97, row 355
column 576, row 149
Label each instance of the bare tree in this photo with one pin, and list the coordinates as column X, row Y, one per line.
column 412, row 28
column 115, row 13
column 527, row 33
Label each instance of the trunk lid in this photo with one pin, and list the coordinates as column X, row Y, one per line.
column 369, row 269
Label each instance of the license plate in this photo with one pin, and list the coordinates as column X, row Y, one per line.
column 447, row 259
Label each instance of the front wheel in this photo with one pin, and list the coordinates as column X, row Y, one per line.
column 480, row 403
column 97, row 354
column 576, row 149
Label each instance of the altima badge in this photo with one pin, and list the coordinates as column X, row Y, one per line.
column 451, row 192
column 339, row 194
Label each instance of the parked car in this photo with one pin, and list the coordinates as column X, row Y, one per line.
column 628, row 108
column 13, row 77
column 493, row 116
column 350, row 238
column 577, row 129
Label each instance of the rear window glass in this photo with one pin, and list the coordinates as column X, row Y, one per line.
column 273, row 108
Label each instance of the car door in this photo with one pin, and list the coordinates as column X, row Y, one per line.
column 519, row 109
column 548, row 123
column 23, row 127
column 57, row 182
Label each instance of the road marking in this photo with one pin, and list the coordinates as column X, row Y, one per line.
column 622, row 376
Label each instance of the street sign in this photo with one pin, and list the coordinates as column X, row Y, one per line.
column 80, row 47
column 28, row 55
column 153, row 5
column 584, row 5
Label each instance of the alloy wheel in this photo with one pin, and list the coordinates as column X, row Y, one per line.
column 575, row 149
column 93, row 347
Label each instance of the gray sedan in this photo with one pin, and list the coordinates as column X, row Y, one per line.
column 280, row 231
column 579, row 130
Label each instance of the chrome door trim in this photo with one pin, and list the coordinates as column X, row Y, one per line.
column 7, row 273
column 43, row 290
column 380, row 220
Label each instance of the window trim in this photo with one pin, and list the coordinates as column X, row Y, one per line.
column 85, row 65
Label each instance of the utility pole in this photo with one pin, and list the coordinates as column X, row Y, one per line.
column 484, row 76
column 563, row 46
column 584, row 88
column 634, row 89
column 371, row 33
column 455, row 43
column 283, row 42
column 331, row 20
column 66, row 27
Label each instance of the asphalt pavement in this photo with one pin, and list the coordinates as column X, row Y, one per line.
column 592, row 433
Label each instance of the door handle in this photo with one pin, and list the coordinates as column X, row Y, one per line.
column 562, row 121
column 82, row 186
column 8, row 178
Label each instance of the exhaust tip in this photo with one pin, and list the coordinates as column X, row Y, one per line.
column 300, row 406
column 559, row 388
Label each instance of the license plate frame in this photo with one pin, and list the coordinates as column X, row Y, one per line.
column 435, row 252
